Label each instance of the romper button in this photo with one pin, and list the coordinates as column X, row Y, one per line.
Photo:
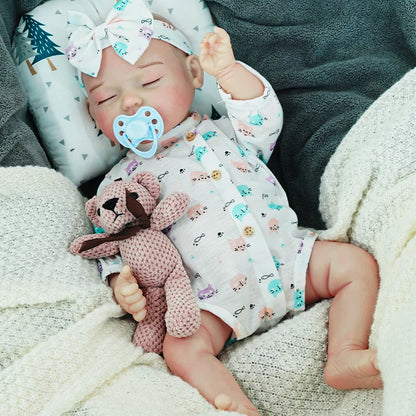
column 190, row 136
column 216, row 175
column 248, row 231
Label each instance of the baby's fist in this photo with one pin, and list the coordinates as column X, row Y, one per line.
column 128, row 294
column 216, row 54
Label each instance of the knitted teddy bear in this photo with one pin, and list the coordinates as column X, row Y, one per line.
column 132, row 220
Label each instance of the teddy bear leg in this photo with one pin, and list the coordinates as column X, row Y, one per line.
column 183, row 316
column 150, row 332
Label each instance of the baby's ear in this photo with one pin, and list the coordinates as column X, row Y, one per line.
column 91, row 210
column 195, row 69
column 149, row 181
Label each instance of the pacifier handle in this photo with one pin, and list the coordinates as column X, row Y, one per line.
column 145, row 125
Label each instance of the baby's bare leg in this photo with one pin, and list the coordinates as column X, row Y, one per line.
column 194, row 360
column 349, row 275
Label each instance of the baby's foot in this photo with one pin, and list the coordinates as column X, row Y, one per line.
column 353, row 369
column 224, row 402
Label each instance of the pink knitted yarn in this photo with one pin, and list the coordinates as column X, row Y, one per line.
column 150, row 332
column 152, row 257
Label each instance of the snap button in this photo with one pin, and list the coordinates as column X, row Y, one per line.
column 216, row 175
column 190, row 136
column 248, row 231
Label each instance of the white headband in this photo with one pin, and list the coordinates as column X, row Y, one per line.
column 128, row 28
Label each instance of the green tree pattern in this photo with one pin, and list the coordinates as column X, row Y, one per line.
column 40, row 41
column 23, row 51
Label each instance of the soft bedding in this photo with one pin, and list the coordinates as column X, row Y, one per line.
column 328, row 61
column 19, row 144
column 368, row 196
column 64, row 348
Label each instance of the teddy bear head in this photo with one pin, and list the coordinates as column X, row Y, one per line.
column 122, row 203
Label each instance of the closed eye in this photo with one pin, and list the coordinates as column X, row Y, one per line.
column 150, row 83
column 105, row 100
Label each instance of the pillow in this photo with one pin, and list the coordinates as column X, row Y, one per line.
column 75, row 146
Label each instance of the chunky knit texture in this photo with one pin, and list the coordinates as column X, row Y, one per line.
column 368, row 195
column 63, row 352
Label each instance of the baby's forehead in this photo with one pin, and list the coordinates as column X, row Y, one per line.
column 158, row 51
column 159, row 46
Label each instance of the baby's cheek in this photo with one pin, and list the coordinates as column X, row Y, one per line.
column 105, row 124
column 174, row 106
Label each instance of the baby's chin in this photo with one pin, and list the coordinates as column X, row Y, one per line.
column 168, row 127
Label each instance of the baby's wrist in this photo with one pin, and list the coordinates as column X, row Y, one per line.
column 226, row 73
column 112, row 279
column 239, row 82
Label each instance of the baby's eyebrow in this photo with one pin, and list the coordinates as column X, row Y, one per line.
column 149, row 64
column 95, row 87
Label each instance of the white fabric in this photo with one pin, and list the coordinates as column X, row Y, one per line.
column 368, row 195
column 60, row 341
column 239, row 242
column 128, row 29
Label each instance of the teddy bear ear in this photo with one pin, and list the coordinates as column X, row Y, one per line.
column 91, row 210
column 149, row 181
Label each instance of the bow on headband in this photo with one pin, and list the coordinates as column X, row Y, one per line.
column 128, row 28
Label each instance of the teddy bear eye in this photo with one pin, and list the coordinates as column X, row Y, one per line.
column 98, row 212
column 135, row 195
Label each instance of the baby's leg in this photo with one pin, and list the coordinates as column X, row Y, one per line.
column 194, row 360
column 349, row 275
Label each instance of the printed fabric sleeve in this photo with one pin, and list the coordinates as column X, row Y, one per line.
column 108, row 266
column 257, row 123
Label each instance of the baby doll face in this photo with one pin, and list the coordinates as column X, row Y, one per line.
column 163, row 78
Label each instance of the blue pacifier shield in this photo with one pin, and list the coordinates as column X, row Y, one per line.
column 145, row 125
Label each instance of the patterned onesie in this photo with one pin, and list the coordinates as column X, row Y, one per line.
column 239, row 242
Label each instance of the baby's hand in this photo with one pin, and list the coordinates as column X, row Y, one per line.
column 216, row 54
column 128, row 294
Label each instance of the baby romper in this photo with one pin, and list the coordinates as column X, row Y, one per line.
column 239, row 241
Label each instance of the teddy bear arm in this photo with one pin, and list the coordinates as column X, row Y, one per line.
column 169, row 210
column 108, row 248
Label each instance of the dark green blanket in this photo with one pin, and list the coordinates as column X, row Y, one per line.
column 19, row 144
column 328, row 61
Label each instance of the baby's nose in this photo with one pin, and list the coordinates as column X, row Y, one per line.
column 131, row 103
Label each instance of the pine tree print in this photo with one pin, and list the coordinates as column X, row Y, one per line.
column 39, row 39
column 22, row 51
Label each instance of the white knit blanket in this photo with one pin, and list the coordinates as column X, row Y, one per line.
column 65, row 350
column 368, row 196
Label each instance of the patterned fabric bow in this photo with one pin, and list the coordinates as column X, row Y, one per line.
column 128, row 28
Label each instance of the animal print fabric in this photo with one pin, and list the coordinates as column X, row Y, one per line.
column 239, row 242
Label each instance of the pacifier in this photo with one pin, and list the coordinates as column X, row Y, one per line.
column 145, row 125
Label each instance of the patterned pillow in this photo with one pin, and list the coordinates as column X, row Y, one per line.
column 75, row 146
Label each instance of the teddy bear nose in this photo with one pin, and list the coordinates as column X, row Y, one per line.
column 110, row 204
